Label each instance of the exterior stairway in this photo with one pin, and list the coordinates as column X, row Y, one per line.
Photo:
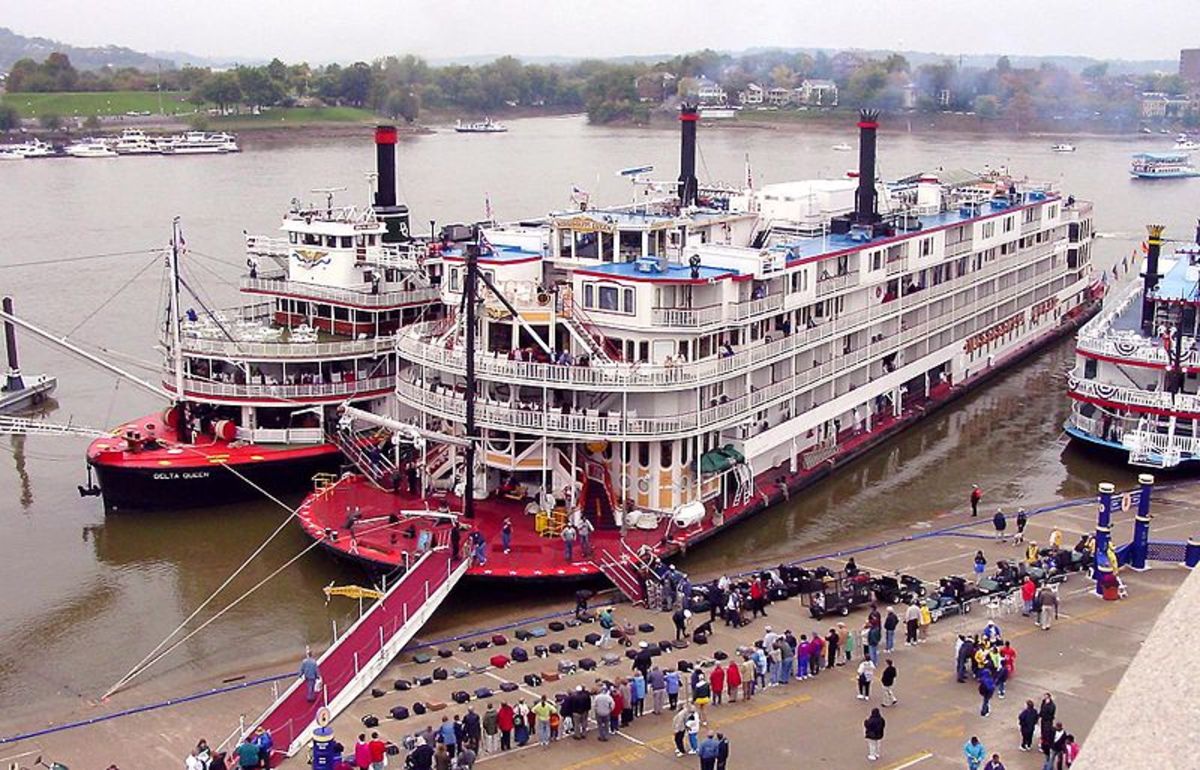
column 623, row 569
column 585, row 332
column 368, row 455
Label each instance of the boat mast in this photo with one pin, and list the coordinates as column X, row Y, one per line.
column 176, row 342
column 469, row 300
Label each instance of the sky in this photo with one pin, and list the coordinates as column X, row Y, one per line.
column 352, row 30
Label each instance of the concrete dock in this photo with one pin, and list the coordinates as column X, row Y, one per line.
column 817, row 722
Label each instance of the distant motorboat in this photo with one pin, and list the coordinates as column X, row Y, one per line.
column 6, row 154
column 199, row 143
column 31, row 148
column 1162, row 165
column 90, row 148
column 718, row 112
column 485, row 126
column 1186, row 144
column 1062, row 147
column 842, row 147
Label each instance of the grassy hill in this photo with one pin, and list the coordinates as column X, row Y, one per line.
column 100, row 103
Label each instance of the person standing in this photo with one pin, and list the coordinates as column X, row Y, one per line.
column 679, row 725
column 832, row 645
column 1046, row 713
column 602, row 704
column 1022, row 522
column 847, row 642
column 976, row 496
column 873, row 727
column 672, row 687
column 874, row 634
column 1047, row 599
column 889, row 629
column 266, row 744
column 748, row 671
column 987, row 687
column 506, row 535
column 378, row 750
column 1028, row 591
column 980, row 565
column 974, row 752
column 994, row 763
column 716, row 681
column 708, row 751
column 912, row 623
column 693, row 731
column 733, row 679
column 658, row 689
column 506, row 719
column 723, row 751
column 311, row 675
column 491, row 731
column 866, row 672
column 1027, row 721
column 1000, row 523
column 888, row 680
column 585, row 529
column 362, row 752
column 247, row 754
column 568, row 537
column 543, row 710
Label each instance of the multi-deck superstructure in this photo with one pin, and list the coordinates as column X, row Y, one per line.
column 664, row 367
column 254, row 387
column 1134, row 387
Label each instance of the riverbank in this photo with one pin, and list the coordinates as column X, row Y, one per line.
column 938, row 714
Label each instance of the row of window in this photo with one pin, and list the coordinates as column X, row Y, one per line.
column 609, row 298
column 330, row 241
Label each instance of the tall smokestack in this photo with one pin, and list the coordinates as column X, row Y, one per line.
column 14, row 381
column 864, row 200
column 394, row 216
column 1150, row 276
column 688, row 116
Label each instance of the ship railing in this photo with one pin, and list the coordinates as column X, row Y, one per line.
column 1102, row 322
column 359, row 296
column 1137, row 349
column 267, row 246
column 413, row 346
column 687, row 317
column 893, row 267
column 834, row 283
column 268, row 350
column 282, row 391
column 1154, row 399
column 751, row 308
column 281, row 435
column 403, row 256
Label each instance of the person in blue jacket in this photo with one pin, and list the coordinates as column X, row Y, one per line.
column 974, row 752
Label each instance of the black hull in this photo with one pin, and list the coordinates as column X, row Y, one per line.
column 142, row 489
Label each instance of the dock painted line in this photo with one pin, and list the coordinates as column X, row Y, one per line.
column 910, row 761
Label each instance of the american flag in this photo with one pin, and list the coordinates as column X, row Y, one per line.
column 487, row 208
column 485, row 245
column 579, row 195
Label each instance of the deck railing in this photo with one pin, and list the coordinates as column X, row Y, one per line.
column 271, row 350
column 359, row 296
column 272, row 392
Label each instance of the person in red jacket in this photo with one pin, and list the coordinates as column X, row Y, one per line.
column 717, row 680
column 1028, row 591
column 976, row 496
column 378, row 752
column 505, row 720
column 1008, row 658
column 733, row 680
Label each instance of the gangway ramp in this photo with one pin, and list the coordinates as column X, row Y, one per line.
column 361, row 654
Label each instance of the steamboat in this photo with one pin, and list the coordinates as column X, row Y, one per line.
column 252, row 389
column 645, row 375
column 1134, row 387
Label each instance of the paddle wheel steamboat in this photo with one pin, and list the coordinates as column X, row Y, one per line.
column 663, row 369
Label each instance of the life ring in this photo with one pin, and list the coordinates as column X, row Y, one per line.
column 643, row 485
column 543, row 298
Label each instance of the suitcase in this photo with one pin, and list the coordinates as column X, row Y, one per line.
column 419, row 708
column 587, row 664
column 376, row 692
column 498, row 661
column 370, row 720
column 509, row 686
column 556, row 647
column 499, row 640
column 402, row 684
column 522, row 634
column 460, row 696
column 566, row 666
column 684, row 666
column 425, row 681
column 435, row 705
column 557, row 625
column 573, row 623
column 441, row 673
column 467, row 646
column 540, row 650
column 611, row 658
column 537, row 632
column 422, row 657
column 459, row 673
column 445, row 653
column 551, row 676
column 665, row 645
column 483, row 644
column 520, row 654
column 592, row 638
column 699, row 637
column 720, row 655
column 574, row 644
column 646, row 628
column 533, row 680
column 399, row 712
column 484, row 692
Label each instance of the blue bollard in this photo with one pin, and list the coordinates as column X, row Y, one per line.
column 1103, row 528
column 1191, row 556
column 324, row 757
column 1140, row 549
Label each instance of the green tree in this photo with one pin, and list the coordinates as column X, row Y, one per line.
column 222, row 89
column 277, row 71
column 10, row 117
column 51, row 121
column 866, row 85
column 986, row 106
column 258, row 87
column 403, row 104
column 355, row 83
column 895, row 63
column 1097, row 71
column 58, row 69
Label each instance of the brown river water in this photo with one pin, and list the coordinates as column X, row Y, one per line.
column 85, row 595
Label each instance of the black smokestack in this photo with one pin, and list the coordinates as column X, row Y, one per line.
column 864, row 200
column 394, row 216
column 688, row 116
column 10, row 342
column 1150, row 276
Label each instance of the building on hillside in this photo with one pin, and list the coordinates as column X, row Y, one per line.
column 752, row 95
column 654, row 86
column 944, row 97
column 819, row 93
column 779, row 96
column 709, row 92
column 1189, row 65
column 908, row 96
column 1155, row 105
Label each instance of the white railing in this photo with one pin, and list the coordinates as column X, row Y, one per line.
column 1159, row 450
column 265, row 246
column 272, row 350
column 290, row 392
column 281, row 435
column 690, row 318
column 895, row 266
column 826, row 286
column 756, row 307
column 1154, row 399
column 359, row 296
column 1138, row 348
column 1112, row 310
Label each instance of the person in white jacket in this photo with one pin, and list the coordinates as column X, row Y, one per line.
column 866, row 674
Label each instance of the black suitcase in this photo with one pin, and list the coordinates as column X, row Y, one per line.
column 556, row 647
column 484, row 692
column 419, row 708
column 520, row 654
column 533, row 680
column 399, row 712
column 376, row 692
column 587, row 664
column 509, row 686
column 402, row 684
column 370, row 720
column 556, row 625
column 646, row 628
column 460, row 696
column 445, row 653
column 440, row 673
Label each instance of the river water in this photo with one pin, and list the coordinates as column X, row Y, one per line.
column 85, row 595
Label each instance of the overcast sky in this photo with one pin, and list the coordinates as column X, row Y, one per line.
column 347, row 30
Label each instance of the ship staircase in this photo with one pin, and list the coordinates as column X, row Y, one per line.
column 585, row 331
column 1150, row 448
column 360, row 655
column 367, row 450
column 743, row 474
column 623, row 569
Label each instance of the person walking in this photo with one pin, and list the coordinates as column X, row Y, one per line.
column 607, row 623
column 679, row 725
column 1000, row 523
column 912, row 623
column 987, row 688
column 873, row 727
column 1027, row 721
column 974, row 752
column 723, row 751
column 866, row 672
column 708, row 751
column 994, row 763
column 976, row 496
column 890, row 622
column 311, row 674
column 378, row 750
column 980, row 565
column 1022, row 522
column 585, row 530
column 888, row 680
column 569, row 534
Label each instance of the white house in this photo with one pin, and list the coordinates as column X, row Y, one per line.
column 710, row 93
column 752, row 95
column 823, row 93
column 779, row 96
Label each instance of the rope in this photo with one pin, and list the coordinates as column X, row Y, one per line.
column 64, row 260
column 104, row 304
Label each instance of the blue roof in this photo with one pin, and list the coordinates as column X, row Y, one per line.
column 1176, row 285
column 807, row 248
column 497, row 253
column 674, row 272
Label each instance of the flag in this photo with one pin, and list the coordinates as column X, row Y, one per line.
column 485, row 245
column 487, row 208
column 749, row 176
column 1145, row 248
column 579, row 196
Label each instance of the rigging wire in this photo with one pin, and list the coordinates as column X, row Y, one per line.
column 114, row 295
column 81, row 258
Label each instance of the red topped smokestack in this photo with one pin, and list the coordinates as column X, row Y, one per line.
column 394, row 216
column 688, row 186
column 864, row 199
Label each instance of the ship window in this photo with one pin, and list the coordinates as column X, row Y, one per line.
column 1090, row 365
column 360, row 240
column 454, row 279
column 608, row 298
column 589, row 295
column 627, row 301
column 989, row 229
column 926, row 247
column 341, row 314
column 330, row 241
column 644, row 454
column 293, row 238
column 370, row 240
column 311, row 239
column 1008, row 224
column 346, row 241
column 876, row 260
column 666, row 453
